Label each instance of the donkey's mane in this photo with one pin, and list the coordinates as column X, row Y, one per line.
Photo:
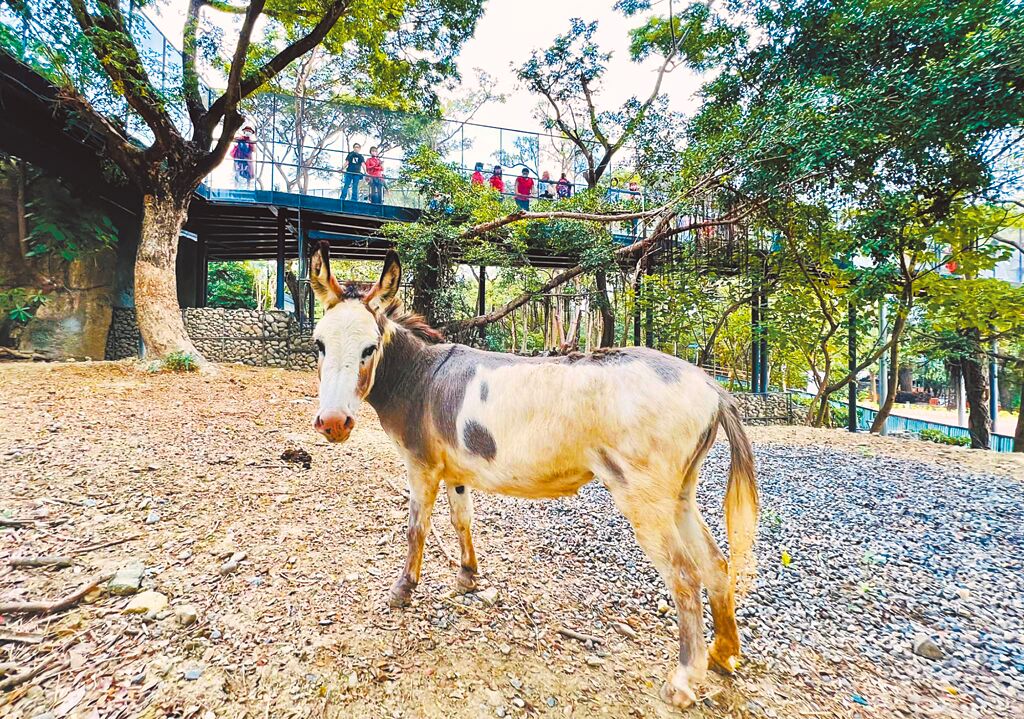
column 413, row 322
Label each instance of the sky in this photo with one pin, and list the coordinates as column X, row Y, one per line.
column 505, row 35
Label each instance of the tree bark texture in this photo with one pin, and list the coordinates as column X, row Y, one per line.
column 894, row 371
column 976, row 390
column 607, row 314
column 1018, row 435
column 156, row 290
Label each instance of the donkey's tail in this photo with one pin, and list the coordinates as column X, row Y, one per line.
column 741, row 502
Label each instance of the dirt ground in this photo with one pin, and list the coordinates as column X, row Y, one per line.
column 180, row 472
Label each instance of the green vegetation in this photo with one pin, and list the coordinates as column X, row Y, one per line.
column 179, row 362
column 231, row 285
column 940, row 437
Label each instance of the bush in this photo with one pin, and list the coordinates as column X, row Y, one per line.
column 940, row 437
column 179, row 362
column 231, row 285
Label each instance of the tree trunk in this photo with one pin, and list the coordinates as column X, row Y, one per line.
column 156, row 286
column 607, row 314
column 425, row 285
column 1018, row 435
column 894, row 372
column 976, row 390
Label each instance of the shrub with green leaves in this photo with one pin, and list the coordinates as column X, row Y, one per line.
column 940, row 437
column 179, row 362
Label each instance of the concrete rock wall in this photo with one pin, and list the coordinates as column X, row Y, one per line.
column 768, row 408
column 261, row 338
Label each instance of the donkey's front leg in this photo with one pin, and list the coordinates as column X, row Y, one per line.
column 422, row 493
column 460, row 505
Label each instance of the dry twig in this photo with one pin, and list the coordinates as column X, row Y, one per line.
column 571, row 634
column 17, row 679
column 104, row 545
column 20, row 637
column 57, row 605
column 46, row 561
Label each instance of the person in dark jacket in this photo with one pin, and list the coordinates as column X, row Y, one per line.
column 353, row 172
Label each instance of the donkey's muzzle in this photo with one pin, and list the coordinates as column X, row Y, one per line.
column 335, row 426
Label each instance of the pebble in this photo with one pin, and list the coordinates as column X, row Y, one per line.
column 925, row 647
column 625, row 630
column 153, row 517
column 192, row 674
column 186, row 615
column 127, row 580
column 488, row 596
column 663, row 606
column 148, row 602
column 594, row 661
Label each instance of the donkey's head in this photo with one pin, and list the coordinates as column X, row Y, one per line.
column 349, row 338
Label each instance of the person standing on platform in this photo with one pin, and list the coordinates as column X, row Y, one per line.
column 375, row 175
column 477, row 179
column 524, row 189
column 496, row 182
column 564, row 188
column 244, row 155
column 353, row 172
column 545, row 187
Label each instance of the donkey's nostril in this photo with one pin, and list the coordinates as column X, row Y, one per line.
column 318, row 423
column 349, row 422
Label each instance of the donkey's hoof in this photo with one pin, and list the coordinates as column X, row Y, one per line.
column 466, row 581
column 677, row 691
column 723, row 660
column 401, row 593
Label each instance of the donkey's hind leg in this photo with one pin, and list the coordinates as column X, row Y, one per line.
column 654, row 525
column 714, row 570
column 725, row 651
column 460, row 505
column 422, row 493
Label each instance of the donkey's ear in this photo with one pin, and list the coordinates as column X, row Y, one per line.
column 325, row 287
column 384, row 292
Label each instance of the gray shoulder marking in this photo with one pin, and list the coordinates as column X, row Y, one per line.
column 478, row 440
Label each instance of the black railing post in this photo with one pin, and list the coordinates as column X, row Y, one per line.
column 755, row 339
column 763, row 358
column 481, row 299
column 851, row 422
column 636, row 309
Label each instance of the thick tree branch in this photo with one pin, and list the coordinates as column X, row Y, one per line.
column 522, row 215
column 189, row 75
column 638, row 247
column 249, row 84
column 125, row 154
column 120, row 59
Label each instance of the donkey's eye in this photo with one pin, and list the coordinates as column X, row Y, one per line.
column 368, row 352
column 320, row 347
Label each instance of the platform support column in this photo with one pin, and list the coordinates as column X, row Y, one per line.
column 281, row 227
column 202, row 274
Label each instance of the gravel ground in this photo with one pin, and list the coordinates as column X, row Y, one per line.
column 868, row 546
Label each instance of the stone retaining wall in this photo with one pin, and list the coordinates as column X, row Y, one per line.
column 768, row 408
column 270, row 338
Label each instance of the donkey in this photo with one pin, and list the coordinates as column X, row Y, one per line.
column 639, row 420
